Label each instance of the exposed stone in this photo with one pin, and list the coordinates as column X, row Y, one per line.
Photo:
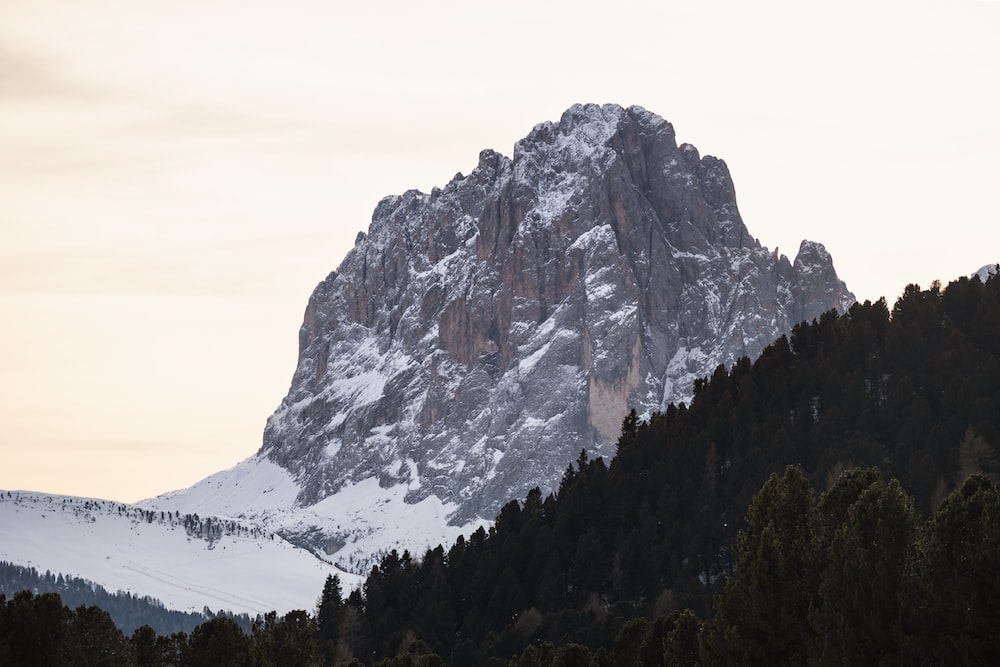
column 491, row 330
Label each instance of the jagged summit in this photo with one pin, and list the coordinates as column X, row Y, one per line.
column 478, row 337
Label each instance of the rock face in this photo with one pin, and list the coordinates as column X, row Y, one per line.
column 478, row 337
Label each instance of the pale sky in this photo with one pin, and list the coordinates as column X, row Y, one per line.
column 177, row 175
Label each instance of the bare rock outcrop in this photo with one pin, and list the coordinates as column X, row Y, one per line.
column 478, row 337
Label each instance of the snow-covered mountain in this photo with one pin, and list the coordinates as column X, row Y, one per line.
column 986, row 271
column 477, row 338
column 187, row 562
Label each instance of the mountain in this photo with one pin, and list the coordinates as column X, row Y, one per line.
column 477, row 338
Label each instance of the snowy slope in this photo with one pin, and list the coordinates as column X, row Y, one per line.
column 362, row 522
column 186, row 562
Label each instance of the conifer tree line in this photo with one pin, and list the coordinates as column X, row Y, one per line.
column 852, row 575
column 128, row 611
column 833, row 502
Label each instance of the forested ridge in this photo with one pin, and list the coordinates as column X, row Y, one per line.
column 128, row 611
column 868, row 444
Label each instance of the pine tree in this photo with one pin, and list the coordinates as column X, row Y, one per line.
column 35, row 629
column 286, row 642
column 573, row 655
column 328, row 611
column 680, row 645
column 956, row 600
column 762, row 615
column 859, row 618
column 148, row 647
column 218, row 642
column 95, row 641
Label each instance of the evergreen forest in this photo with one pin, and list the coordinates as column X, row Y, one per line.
column 835, row 501
column 128, row 611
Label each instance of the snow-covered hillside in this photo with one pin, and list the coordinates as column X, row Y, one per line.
column 185, row 561
column 257, row 553
column 363, row 520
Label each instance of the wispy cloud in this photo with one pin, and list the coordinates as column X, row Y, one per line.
column 27, row 76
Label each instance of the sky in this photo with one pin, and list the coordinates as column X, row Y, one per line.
column 176, row 176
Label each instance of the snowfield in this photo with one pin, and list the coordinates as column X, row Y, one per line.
column 236, row 567
column 236, row 541
column 351, row 529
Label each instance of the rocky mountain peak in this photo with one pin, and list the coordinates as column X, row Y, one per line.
column 478, row 337
column 491, row 329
